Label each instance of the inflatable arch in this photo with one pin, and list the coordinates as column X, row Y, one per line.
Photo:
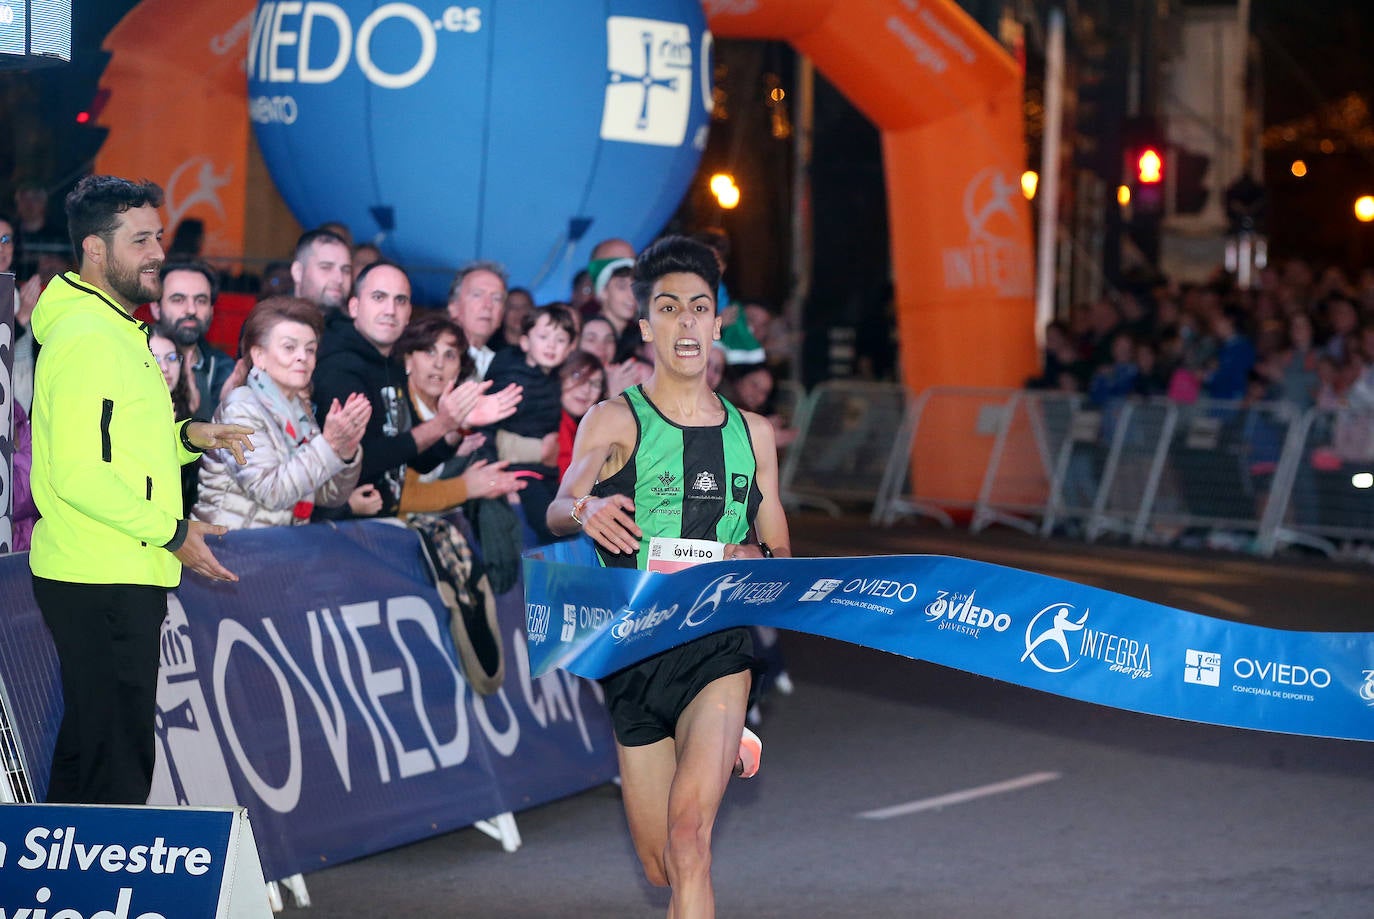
column 947, row 99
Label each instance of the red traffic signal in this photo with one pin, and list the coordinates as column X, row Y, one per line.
column 1149, row 167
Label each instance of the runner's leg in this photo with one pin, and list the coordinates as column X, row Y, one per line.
column 646, row 774
column 708, row 737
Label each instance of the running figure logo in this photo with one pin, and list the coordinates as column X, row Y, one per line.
column 649, row 81
column 1056, row 634
column 708, row 601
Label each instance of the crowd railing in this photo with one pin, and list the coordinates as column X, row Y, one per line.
column 1253, row 476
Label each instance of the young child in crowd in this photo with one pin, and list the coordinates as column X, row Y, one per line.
column 546, row 339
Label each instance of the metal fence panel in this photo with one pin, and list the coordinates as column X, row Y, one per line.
column 951, row 433
column 1328, row 487
column 1131, row 482
column 845, row 433
column 1086, row 448
column 1219, row 471
column 1045, row 442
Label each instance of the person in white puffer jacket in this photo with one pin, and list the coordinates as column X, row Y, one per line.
column 294, row 465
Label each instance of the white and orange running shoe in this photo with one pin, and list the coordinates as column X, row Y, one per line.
column 750, row 754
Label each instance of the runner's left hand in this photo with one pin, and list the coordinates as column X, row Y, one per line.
column 736, row 550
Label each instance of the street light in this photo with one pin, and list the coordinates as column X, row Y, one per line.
column 726, row 191
column 1299, row 169
column 1364, row 208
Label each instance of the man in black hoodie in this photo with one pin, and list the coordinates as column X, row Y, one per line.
column 355, row 356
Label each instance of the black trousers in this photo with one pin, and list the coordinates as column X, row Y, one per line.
column 107, row 639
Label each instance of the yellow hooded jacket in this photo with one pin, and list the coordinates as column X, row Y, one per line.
column 107, row 451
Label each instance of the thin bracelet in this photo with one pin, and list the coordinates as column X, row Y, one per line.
column 763, row 548
column 578, row 507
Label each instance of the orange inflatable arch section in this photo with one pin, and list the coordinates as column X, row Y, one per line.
column 948, row 101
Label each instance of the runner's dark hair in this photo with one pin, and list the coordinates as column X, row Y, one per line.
column 673, row 255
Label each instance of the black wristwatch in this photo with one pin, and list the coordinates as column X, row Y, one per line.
column 763, row 547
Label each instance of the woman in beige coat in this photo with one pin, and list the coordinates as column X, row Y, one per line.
column 294, row 464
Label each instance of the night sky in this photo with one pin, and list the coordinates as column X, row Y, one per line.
column 1313, row 52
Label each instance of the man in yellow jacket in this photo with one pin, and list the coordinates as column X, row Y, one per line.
column 106, row 478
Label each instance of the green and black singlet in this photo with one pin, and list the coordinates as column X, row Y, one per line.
column 686, row 482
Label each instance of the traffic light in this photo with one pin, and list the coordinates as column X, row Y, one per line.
column 1149, row 167
column 1144, row 165
column 1147, row 179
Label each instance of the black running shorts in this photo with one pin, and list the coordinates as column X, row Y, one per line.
column 646, row 699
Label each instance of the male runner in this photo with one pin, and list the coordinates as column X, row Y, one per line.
column 671, row 458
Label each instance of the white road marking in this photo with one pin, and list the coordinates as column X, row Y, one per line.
column 960, row 797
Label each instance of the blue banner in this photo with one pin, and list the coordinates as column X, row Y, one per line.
column 71, row 860
column 1023, row 628
column 322, row 692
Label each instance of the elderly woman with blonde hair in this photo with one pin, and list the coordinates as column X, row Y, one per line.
column 294, row 464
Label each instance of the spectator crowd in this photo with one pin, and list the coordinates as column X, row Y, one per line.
column 366, row 404
column 1296, row 337
column 1252, row 361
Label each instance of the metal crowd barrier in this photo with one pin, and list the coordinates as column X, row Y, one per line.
column 845, row 429
column 954, row 431
column 1132, row 471
column 1038, row 438
column 1258, row 476
column 1324, row 489
column 1219, row 470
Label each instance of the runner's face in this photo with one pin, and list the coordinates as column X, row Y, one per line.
column 682, row 323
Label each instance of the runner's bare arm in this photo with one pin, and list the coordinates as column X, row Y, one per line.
column 604, row 441
column 771, row 522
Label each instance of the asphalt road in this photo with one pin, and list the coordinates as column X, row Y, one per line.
column 893, row 788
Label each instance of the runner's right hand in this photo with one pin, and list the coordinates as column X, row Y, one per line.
column 611, row 522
